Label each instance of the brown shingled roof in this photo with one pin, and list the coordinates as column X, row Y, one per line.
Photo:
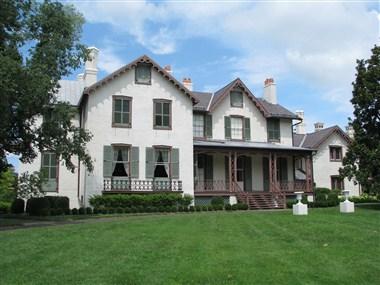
column 141, row 59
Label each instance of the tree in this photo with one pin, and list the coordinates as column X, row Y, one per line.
column 8, row 185
column 39, row 44
column 362, row 160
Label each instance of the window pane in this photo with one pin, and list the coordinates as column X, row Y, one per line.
column 236, row 99
column 158, row 108
column 198, row 125
column 166, row 108
column 158, row 120
column 165, row 121
column 117, row 118
column 143, row 73
column 45, row 159
column 125, row 105
column 236, row 128
column 53, row 173
column 118, row 105
column 53, row 160
column 125, row 118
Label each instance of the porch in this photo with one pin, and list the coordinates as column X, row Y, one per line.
column 259, row 174
column 130, row 185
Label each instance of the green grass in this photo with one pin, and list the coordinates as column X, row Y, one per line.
column 325, row 247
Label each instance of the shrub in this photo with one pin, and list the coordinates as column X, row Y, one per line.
column 210, row 208
column 127, row 210
column 67, row 212
column 204, row 208
column 228, row 207
column 74, row 211
column 234, row 207
column 217, row 201
column 111, row 210
column 5, row 207
column 242, row 206
column 18, row 206
column 191, row 209
column 364, row 198
column 82, row 211
column 198, row 208
column 325, row 197
column 173, row 209
column 38, row 206
column 89, row 211
column 58, row 202
column 218, row 207
column 180, row 209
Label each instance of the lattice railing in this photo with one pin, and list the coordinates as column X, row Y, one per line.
column 112, row 184
column 293, row 186
column 211, row 185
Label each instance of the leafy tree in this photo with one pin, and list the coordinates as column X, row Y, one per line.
column 39, row 44
column 7, row 185
column 362, row 160
column 30, row 185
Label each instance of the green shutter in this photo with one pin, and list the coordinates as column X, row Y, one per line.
column 175, row 163
column 227, row 127
column 247, row 174
column 247, row 129
column 208, row 126
column 107, row 161
column 149, row 162
column 134, row 162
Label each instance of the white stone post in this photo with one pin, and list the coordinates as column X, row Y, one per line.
column 299, row 208
column 346, row 206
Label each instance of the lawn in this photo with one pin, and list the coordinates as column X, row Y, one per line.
column 325, row 247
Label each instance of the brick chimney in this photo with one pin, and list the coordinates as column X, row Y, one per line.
column 318, row 126
column 301, row 127
column 270, row 91
column 188, row 84
column 91, row 69
column 168, row 69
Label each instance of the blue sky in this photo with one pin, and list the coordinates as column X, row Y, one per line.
column 309, row 47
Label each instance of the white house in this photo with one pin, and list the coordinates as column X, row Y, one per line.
column 330, row 145
column 152, row 133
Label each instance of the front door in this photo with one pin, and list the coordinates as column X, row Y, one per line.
column 244, row 173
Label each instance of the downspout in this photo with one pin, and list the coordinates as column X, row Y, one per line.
column 293, row 125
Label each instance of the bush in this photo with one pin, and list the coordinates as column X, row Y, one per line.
column 74, row 211
column 325, row 197
column 204, row 208
column 234, row 207
column 58, row 202
column 217, row 201
column 364, row 198
column 5, row 207
column 228, row 207
column 242, row 206
column 67, row 212
column 89, row 211
column 82, row 211
column 218, row 207
column 191, row 209
column 198, row 208
column 186, row 200
column 18, row 206
column 111, row 210
column 38, row 206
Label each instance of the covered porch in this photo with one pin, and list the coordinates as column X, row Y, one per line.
column 249, row 170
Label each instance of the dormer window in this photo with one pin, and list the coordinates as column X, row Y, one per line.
column 236, row 98
column 143, row 73
column 273, row 127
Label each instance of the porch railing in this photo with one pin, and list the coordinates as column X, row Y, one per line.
column 112, row 184
column 211, row 185
column 293, row 186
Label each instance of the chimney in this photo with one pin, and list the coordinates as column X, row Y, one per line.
column 168, row 69
column 188, row 84
column 270, row 91
column 318, row 126
column 91, row 70
column 80, row 77
column 301, row 126
column 350, row 131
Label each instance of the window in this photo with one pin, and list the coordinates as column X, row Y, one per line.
column 236, row 128
column 335, row 153
column 236, row 98
column 162, row 162
column 198, row 126
column 122, row 114
column 162, row 114
column 120, row 162
column 337, row 183
column 273, row 127
column 49, row 165
column 143, row 73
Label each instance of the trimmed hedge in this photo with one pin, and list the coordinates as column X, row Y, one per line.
column 364, row 198
column 323, row 197
column 38, row 206
column 58, row 202
column 217, row 201
column 5, row 207
column 18, row 206
column 128, row 201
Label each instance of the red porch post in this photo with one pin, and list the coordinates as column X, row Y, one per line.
column 272, row 171
column 309, row 177
column 230, row 171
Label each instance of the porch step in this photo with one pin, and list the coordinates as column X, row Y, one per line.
column 261, row 200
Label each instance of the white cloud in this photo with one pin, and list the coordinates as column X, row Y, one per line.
column 108, row 60
column 316, row 42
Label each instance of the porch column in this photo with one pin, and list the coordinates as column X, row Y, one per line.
column 309, row 177
column 272, row 171
column 230, row 171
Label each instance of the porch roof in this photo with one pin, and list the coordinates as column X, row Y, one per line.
column 247, row 145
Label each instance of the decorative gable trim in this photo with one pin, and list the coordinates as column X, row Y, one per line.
column 237, row 84
column 133, row 64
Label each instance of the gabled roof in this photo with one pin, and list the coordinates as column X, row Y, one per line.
column 141, row 59
column 315, row 139
column 267, row 109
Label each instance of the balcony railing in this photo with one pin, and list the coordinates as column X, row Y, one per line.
column 112, row 184
column 293, row 186
column 211, row 185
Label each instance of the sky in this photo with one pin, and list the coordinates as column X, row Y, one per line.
column 310, row 48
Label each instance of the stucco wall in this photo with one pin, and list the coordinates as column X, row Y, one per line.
column 141, row 134
column 324, row 168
